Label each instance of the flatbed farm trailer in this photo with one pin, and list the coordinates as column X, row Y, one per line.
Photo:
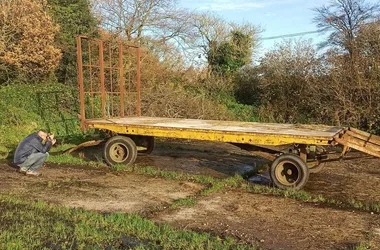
column 109, row 83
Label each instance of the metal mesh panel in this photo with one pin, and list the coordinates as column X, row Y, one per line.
column 109, row 78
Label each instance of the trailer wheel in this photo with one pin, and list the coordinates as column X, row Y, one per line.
column 148, row 143
column 315, row 157
column 120, row 150
column 317, row 168
column 289, row 171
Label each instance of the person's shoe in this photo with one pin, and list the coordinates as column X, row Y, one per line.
column 23, row 170
column 32, row 173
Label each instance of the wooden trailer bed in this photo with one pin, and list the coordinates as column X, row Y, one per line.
column 223, row 131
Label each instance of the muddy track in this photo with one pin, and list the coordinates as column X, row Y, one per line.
column 267, row 221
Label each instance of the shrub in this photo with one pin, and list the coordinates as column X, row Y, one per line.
column 26, row 40
column 26, row 108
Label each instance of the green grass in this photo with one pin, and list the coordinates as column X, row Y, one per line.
column 362, row 246
column 217, row 185
column 57, row 156
column 36, row 225
column 69, row 159
column 184, row 202
column 367, row 244
column 3, row 149
column 61, row 147
column 4, row 152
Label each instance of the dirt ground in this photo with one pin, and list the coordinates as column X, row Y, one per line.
column 98, row 189
column 357, row 179
column 264, row 220
column 276, row 223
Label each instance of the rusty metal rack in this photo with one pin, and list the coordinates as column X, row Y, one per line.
column 109, row 79
column 109, row 85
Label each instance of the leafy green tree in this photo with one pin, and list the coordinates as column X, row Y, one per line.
column 247, row 86
column 229, row 56
column 74, row 18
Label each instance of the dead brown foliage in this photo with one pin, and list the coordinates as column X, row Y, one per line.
column 166, row 101
column 26, row 38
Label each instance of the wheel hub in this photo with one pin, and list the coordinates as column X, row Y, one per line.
column 287, row 173
column 118, row 153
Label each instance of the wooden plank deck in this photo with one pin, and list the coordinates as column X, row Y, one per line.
column 296, row 130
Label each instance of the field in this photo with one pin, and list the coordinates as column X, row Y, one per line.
column 187, row 195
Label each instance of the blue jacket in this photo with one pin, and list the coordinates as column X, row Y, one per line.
column 30, row 145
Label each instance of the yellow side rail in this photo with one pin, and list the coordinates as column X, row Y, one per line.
column 213, row 135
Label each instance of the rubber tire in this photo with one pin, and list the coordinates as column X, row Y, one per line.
column 128, row 143
column 299, row 163
column 317, row 168
column 151, row 145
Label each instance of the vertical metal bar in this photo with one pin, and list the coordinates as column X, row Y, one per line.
column 121, row 77
column 112, row 94
column 91, row 89
column 129, row 82
column 80, row 82
column 102, row 87
column 138, row 82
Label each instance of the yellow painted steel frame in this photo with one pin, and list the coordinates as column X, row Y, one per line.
column 212, row 135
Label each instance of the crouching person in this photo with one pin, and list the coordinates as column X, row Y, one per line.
column 31, row 153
